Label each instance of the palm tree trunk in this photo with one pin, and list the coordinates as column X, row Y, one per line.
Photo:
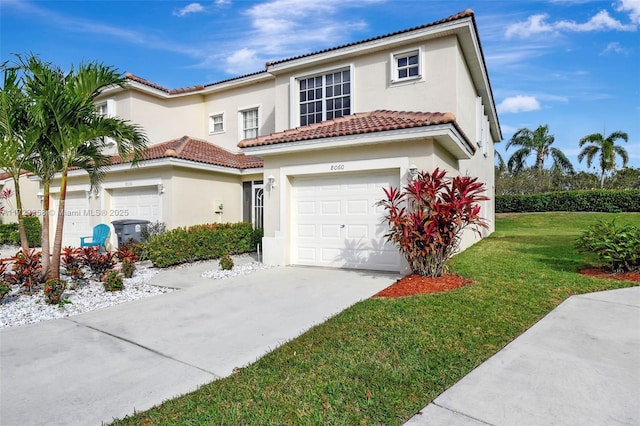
column 24, row 243
column 54, row 271
column 602, row 179
column 46, row 250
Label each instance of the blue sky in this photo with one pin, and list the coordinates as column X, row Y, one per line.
column 571, row 64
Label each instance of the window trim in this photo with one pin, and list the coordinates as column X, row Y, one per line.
column 212, row 130
column 393, row 62
column 241, row 129
column 294, row 93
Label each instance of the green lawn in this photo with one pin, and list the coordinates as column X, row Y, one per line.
column 404, row 352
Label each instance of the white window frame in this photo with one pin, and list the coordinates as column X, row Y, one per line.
column 241, row 128
column 109, row 106
column 294, row 93
column 393, row 62
column 212, row 123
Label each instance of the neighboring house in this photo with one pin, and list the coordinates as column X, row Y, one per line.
column 30, row 196
column 332, row 127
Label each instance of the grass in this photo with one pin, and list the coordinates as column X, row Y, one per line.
column 404, row 352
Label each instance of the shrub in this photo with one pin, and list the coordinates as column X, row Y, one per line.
column 210, row 241
column 53, row 291
column 112, row 281
column 128, row 267
column 99, row 263
column 226, row 263
column 26, row 269
column 5, row 287
column 598, row 200
column 617, row 248
column 152, row 229
column 427, row 217
column 10, row 234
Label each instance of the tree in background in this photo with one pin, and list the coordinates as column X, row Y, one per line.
column 606, row 149
column 536, row 142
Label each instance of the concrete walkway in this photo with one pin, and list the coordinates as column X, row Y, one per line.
column 94, row 367
column 579, row 365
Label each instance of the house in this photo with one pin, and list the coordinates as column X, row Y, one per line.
column 29, row 194
column 304, row 147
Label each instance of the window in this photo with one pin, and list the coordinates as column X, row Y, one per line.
column 250, row 123
column 325, row 97
column 216, row 123
column 107, row 108
column 102, row 109
column 406, row 66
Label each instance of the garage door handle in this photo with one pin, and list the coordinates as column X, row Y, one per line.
column 342, row 226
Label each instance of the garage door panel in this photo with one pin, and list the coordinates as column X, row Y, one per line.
column 77, row 221
column 349, row 226
column 138, row 202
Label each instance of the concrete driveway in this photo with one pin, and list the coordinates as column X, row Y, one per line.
column 95, row 367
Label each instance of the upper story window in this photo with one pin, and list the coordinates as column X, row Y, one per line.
column 325, row 97
column 406, row 66
column 216, row 123
column 107, row 108
column 250, row 123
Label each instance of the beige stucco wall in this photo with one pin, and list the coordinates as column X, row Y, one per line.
column 28, row 194
column 162, row 119
column 234, row 100
column 371, row 82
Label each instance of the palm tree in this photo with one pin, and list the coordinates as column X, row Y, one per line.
column 17, row 137
column 539, row 142
column 597, row 143
column 63, row 104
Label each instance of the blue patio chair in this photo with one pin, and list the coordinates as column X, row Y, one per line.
column 98, row 239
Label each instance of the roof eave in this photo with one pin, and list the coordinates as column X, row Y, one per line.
column 447, row 135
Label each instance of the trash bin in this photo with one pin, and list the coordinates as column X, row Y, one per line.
column 129, row 229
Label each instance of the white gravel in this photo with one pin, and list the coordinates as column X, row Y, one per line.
column 18, row 308
column 243, row 269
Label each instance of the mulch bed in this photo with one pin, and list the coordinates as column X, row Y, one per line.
column 604, row 273
column 417, row 284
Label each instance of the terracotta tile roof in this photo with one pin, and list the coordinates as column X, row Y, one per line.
column 464, row 14
column 461, row 15
column 141, row 80
column 367, row 122
column 199, row 151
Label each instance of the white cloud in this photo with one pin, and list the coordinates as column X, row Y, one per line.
column 243, row 61
column 602, row 21
column 222, row 2
column 190, row 8
column 631, row 6
column 615, row 47
column 518, row 103
column 533, row 25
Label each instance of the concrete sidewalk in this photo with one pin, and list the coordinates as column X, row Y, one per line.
column 579, row 365
column 90, row 368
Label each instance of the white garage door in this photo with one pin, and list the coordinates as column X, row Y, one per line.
column 136, row 203
column 336, row 222
column 77, row 218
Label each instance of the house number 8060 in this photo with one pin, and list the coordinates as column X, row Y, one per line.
column 337, row 167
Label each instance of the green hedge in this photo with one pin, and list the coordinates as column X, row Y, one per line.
column 210, row 241
column 572, row 201
column 9, row 233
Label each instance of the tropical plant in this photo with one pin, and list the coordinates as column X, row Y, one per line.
column 99, row 263
column 226, row 262
column 25, row 269
column 5, row 286
column 17, row 136
column 53, row 291
column 616, row 247
column 427, row 217
column 606, row 148
column 536, row 142
column 112, row 281
column 63, row 105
